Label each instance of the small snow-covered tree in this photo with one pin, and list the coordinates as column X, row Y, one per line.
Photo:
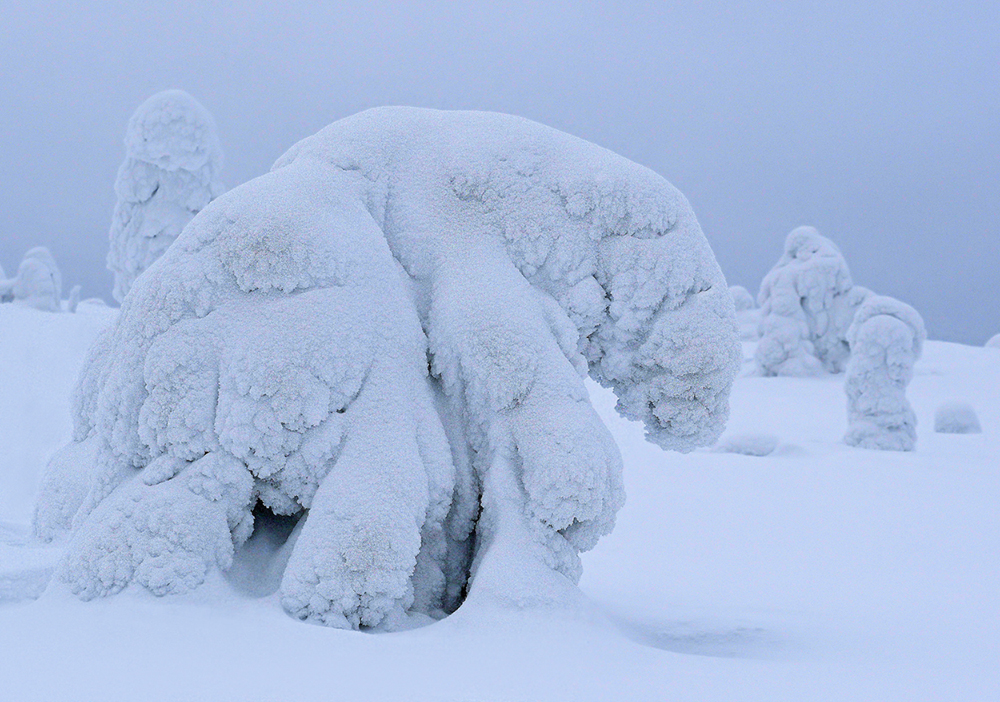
column 807, row 305
column 956, row 418
column 747, row 312
column 386, row 335
column 38, row 282
column 993, row 342
column 170, row 172
column 886, row 340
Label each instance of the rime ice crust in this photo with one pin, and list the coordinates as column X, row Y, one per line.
column 170, row 172
column 807, row 302
column 886, row 339
column 388, row 333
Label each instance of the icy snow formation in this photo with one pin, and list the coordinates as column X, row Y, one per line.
column 747, row 312
column 38, row 282
column 956, row 418
column 807, row 302
column 742, row 298
column 993, row 342
column 886, row 338
column 386, row 334
column 170, row 172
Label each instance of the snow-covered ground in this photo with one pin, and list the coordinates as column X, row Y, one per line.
column 816, row 572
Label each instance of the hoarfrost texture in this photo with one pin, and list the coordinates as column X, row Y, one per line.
column 886, row 338
column 387, row 334
column 956, row 418
column 170, row 172
column 807, row 303
column 38, row 282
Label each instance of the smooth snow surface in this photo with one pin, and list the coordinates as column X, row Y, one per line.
column 170, row 172
column 993, row 342
column 820, row 572
column 388, row 334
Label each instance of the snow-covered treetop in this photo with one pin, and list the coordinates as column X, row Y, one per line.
column 742, row 298
column 993, row 342
column 875, row 305
column 820, row 267
column 173, row 131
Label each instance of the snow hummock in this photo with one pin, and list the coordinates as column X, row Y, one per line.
column 387, row 336
column 170, row 172
column 993, row 342
column 886, row 339
column 956, row 417
column 807, row 303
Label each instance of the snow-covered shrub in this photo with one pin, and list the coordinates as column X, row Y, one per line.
column 38, row 282
column 806, row 305
column 747, row 312
column 387, row 334
column 886, row 338
column 956, row 418
column 170, row 172
column 994, row 342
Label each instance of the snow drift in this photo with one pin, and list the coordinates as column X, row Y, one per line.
column 170, row 172
column 386, row 334
column 886, row 339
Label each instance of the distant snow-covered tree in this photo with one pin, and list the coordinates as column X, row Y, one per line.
column 886, row 340
column 170, row 172
column 38, row 282
column 747, row 312
column 993, row 342
column 806, row 308
column 386, row 336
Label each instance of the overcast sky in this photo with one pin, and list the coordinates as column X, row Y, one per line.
column 879, row 123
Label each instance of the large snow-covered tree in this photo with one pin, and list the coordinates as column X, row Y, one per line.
column 170, row 172
column 387, row 334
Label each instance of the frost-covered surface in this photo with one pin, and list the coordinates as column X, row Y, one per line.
column 387, row 334
column 993, row 342
column 170, row 172
column 819, row 572
column 956, row 417
column 37, row 284
column 807, row 303
column 886, row 338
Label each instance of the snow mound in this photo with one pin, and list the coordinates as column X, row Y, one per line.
column 994, row 342
column 386, row 335
column 170, row 172
column 807, row 302
column 886, row 339
column 747, row 444
column 956, row 418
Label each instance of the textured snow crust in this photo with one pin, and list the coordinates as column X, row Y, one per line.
column 388, row 333
column 807, row 303
column 886, row 338
column 170, row 172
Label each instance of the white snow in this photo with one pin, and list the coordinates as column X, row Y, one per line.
column 387, row 334
column 807, row 303
column 170, row 172
column 37, row 284
column 956, row 417
column 993, row 342
column 819, row 572
column 886, row 339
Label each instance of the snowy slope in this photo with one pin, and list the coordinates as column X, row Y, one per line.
column 818, row 572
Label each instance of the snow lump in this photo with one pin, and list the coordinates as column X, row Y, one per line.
column 956, row 418
column 385, row 336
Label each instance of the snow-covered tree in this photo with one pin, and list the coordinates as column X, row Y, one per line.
column 387, row 334
column 886, row 338
column 170, row 172
column 956, row 418
column 993, row 342
column 807, row 302
column 747, row 312
column 38, row 282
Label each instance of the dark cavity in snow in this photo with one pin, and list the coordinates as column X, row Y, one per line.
column 260, row 562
